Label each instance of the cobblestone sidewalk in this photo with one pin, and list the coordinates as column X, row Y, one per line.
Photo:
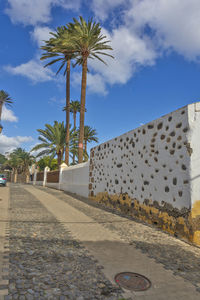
column 182, row 258
column 45, row 262
column 116, row 254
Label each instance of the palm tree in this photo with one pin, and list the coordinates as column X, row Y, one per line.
column 13, row 162
column 25, row 159
column 90, row 135
column 73, row 145
column 19, row 161
column 88, row 42
column 4, row 99
column 74, row 108
column 53, row 141
column 54, row 49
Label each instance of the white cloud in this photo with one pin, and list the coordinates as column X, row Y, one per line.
column 7, row 144
column 29, row 12
column 40, row 34
column 148, row 29
column 172, row 24
column 128, row 55
column 95, row 83
column 175, row 23
column 58, row 101
column 33, row 70
column 102, row 8
column 8, row 115
column 68, row 4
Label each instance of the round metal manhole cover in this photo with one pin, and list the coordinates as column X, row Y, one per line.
column 133, row 281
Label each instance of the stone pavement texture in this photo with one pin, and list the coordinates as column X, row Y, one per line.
column 176, row 255
column 52, row 238
column 4, row 243
column 45, row 261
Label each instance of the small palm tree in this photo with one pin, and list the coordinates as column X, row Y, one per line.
column 90, row 135
column 13, row 161
column 53, row 141
column 88, row 42
column 75, row 107
column 4, row 99
column 25, row 159
column 73, row 145
column 54, row 49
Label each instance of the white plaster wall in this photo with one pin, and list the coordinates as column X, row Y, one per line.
column 150, row 162
column 39, row 183
column 194, row 147
column 52, row 185
column 75, row 179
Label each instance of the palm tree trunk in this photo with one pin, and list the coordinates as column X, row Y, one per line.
column 73, row 158
column 59, row 158
column 74, row 115
column 1, row 106
column 85, row 146
column 67, row 112
column 82, row 110
column 86, row 159
column 74, row 154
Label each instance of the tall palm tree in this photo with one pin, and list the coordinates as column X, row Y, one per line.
column 54, row 49
column 88, row 42
column 4, row 99
column 52, row 141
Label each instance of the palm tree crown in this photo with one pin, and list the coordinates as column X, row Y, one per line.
column 52, row 141
column 86, row 40
column 4, row 99
column 20, row 160
column 54, row 49
column 90, row 135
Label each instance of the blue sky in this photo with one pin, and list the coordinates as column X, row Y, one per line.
column 156, row 67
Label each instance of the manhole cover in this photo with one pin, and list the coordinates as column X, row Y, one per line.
column 132, row 281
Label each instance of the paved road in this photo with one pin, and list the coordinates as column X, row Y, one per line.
column 52, row 238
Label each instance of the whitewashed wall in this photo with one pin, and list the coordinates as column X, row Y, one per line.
column 52, row 185
column 39, row 183
column 75, row 179
column 151, row 162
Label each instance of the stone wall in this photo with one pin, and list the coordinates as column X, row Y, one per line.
column 153, row 172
